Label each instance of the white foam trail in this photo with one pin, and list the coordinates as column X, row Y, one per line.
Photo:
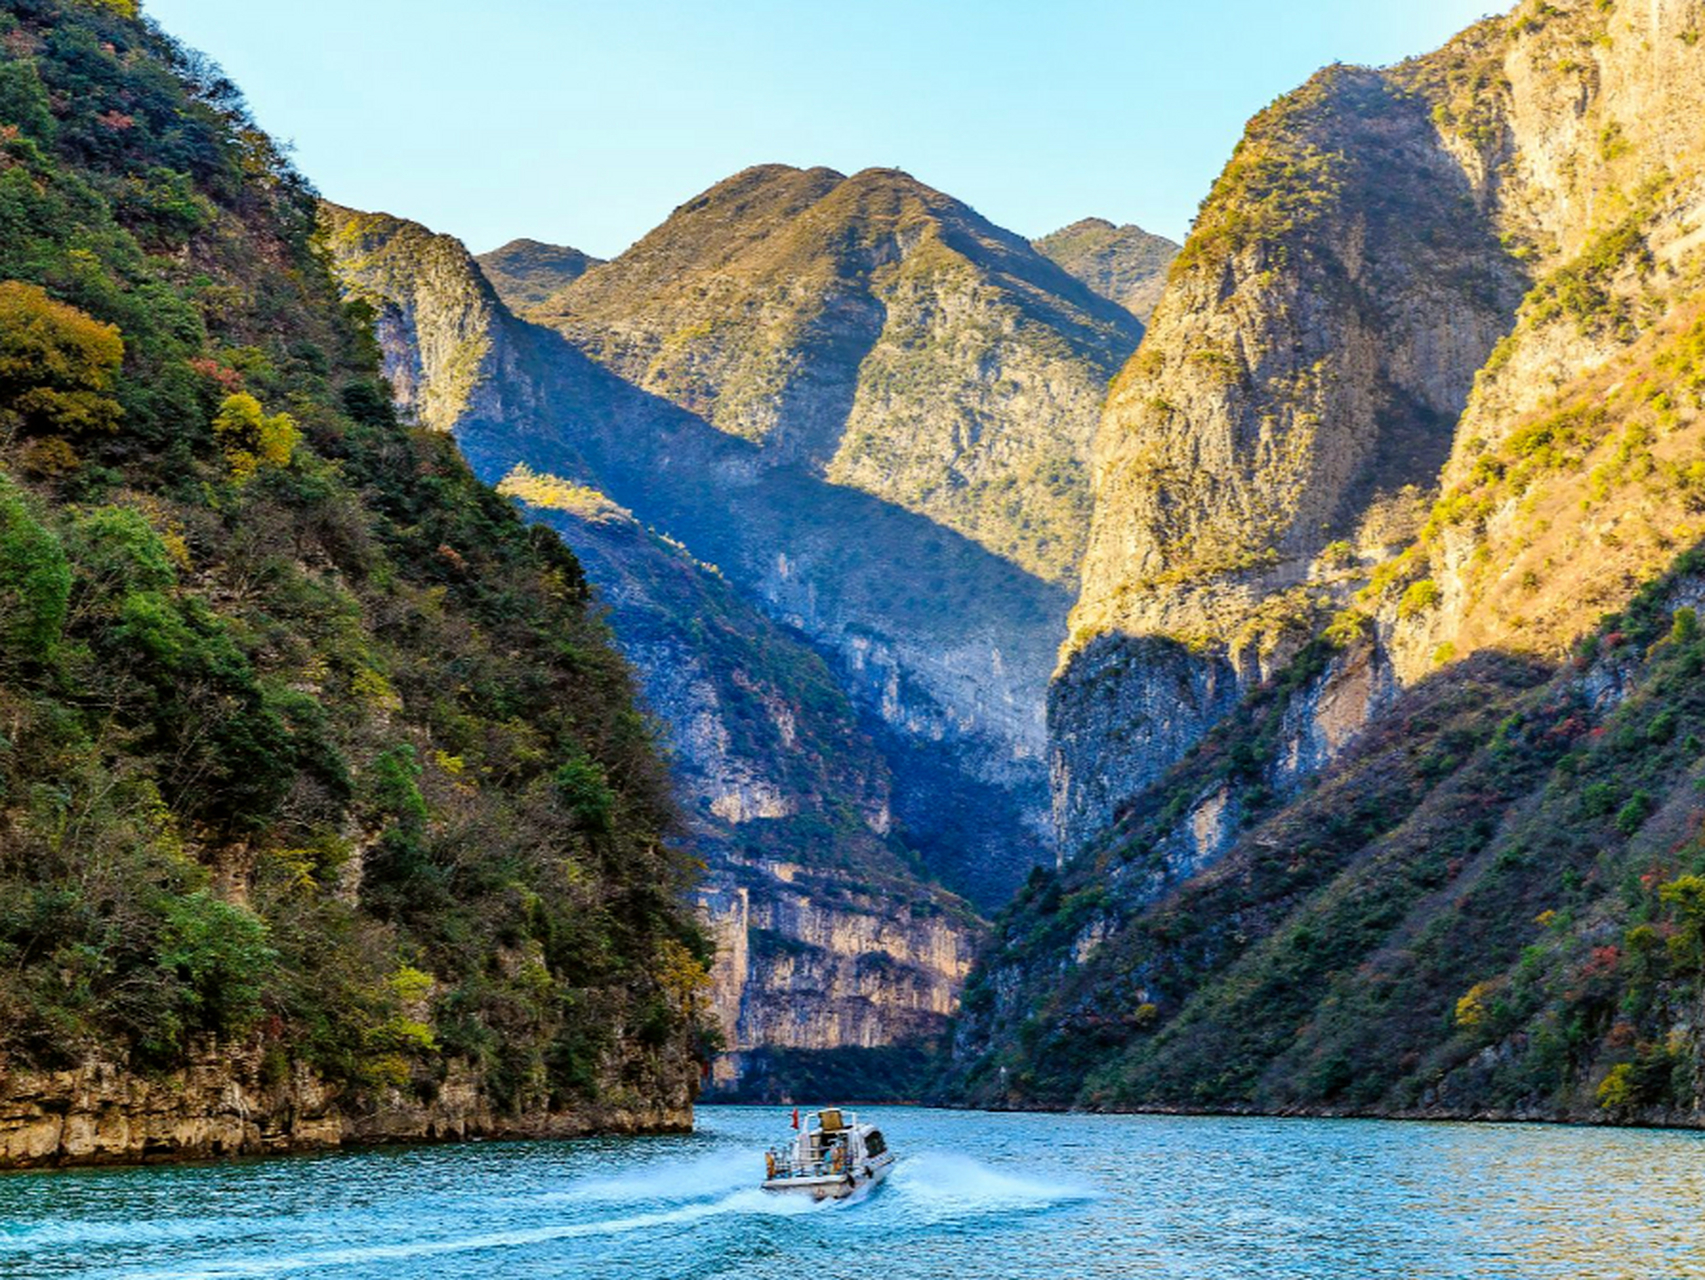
column 949, row 1183
column 751, row 1201
column 661, row 1180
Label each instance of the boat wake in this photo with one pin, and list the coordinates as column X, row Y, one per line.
column 710, row 1196
column 661, row 1179
column 749, row 1202
column 944, row 1185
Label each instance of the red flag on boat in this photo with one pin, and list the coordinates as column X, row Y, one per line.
column 796, row 1117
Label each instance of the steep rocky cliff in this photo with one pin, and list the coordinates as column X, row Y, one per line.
column 1124, row 264
column 1338, row 715
column 1288, row 423
column 326, row 810
column 1318, row 337
column 829, row 936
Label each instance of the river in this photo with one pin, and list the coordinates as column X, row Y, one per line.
column 975, row 1195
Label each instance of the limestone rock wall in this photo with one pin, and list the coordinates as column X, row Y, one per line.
column 1345, row 333
column 225, row 1103
column 807, row 963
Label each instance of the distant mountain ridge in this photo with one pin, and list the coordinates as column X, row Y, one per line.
column 878, row 333
column 527, row 272
column 1124, row 264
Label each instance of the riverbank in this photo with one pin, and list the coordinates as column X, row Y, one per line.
column 1626, row 1118
column 234, row 1103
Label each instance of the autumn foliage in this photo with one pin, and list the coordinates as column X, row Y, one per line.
column 58, row 366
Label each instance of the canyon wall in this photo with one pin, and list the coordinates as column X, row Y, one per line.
column 829, row 934
column 1374, row 747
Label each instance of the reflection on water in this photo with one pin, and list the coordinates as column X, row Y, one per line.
column 974, row 1196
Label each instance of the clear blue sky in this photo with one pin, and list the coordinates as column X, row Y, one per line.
column 585, row 121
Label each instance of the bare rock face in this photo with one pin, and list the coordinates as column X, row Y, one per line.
column 827, row 935
column 228, row 1103
column 1124, row 264
column 1133, row 707
column 807, row 962
column 1342, row 330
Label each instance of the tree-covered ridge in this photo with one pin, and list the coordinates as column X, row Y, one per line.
column 1489, row 906
column 307, row 741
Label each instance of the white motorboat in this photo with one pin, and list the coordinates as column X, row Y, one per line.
column 831, row 1156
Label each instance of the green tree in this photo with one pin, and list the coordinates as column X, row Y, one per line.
column 585, row 792
column 219, row 954
column 35, row 581
column 23, row 100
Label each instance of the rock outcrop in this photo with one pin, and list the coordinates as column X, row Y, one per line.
column 812, row 961
column 232, row 1101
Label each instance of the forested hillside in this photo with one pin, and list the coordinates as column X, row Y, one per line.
column 326, row 811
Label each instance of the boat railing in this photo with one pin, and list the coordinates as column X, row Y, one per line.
column 787, row 1165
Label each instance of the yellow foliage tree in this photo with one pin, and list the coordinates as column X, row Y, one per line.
column 1618, row 1088
column 680, row 974
column 1471, row 1009
column 252, row 439
column 58, row 366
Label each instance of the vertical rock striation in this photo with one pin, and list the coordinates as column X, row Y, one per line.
column 828, row 935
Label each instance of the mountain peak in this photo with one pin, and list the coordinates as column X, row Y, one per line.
column 526, row 272
column 1124, row 264
column 1086, row 226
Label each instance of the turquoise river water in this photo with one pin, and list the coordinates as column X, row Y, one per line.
column 975, row 1195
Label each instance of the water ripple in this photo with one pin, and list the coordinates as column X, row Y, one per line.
column 975, row 1197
